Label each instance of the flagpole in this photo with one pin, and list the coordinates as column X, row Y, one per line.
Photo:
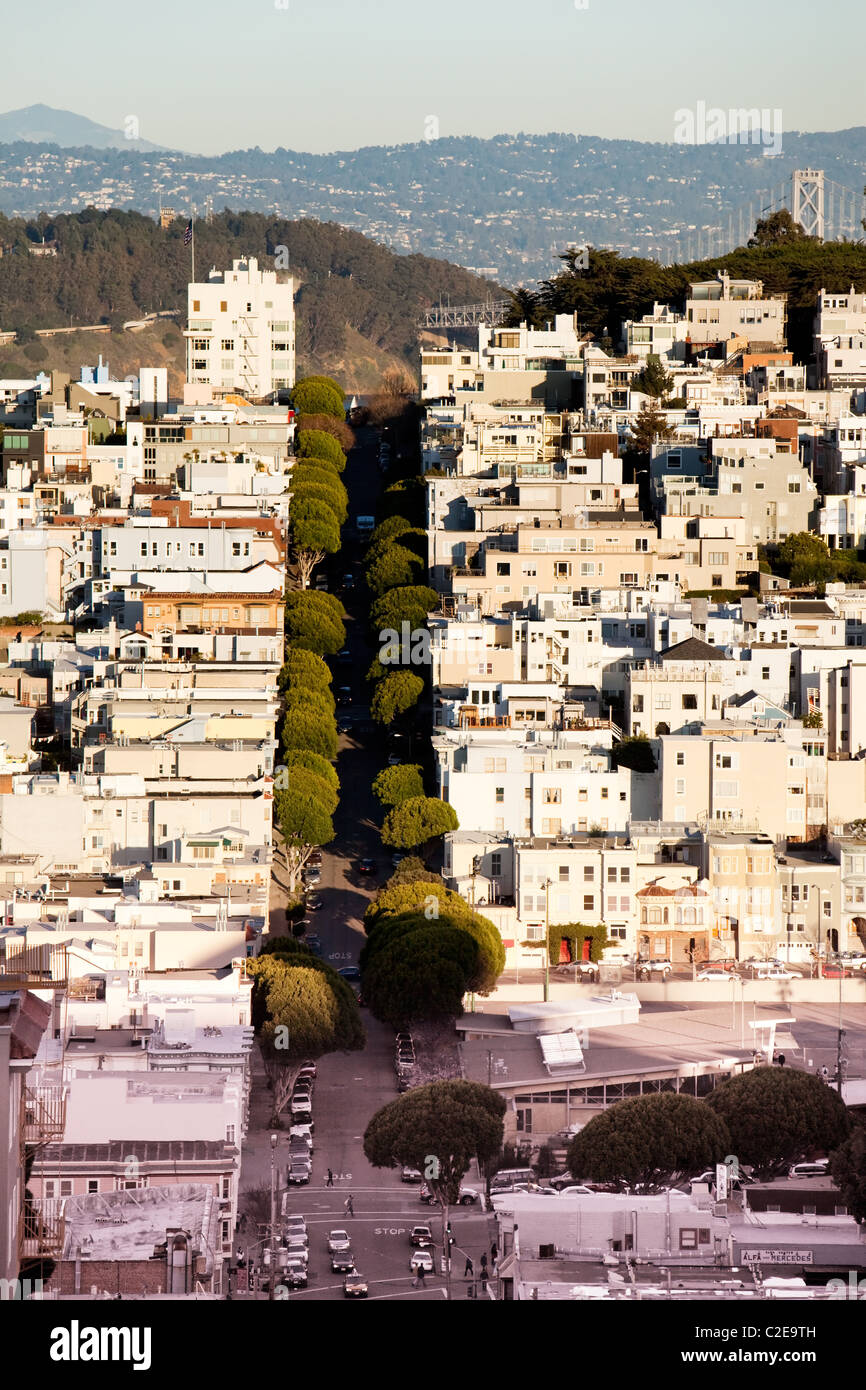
column 192, row 244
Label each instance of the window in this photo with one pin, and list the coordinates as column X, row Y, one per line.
column 552, row 796
column 681, row 759
column 563, row 873
column 500, row 795
column 588, row 873
column 589, row 902
column 92, row 1186
column 690, row 702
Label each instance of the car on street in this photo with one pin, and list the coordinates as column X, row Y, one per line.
column 295, row 1274
column 350, row 972
column 303, row 1083
column 775, row 972
column 338, row 1240
column 468, row 1195
column 342, row 1261
column 709, row 1175
column 322, row 583
column 654, row 969
column 832, row 971
column 421, row 1236
column 344, row 695
column 575, row 1189
column 312, row 903
column 307, row 1068
column 293, row 1223
column 301, row 1104
column 367, row 866
column 409, row 1174
column 301, row 1131
column 712, row 972
column 297, row 1246
column 313, row 940
column 421, row 1259
column 315, row 857
column 348, row 581
column 397, row 859
column 300, row 928
column 587, row 969
column 345, row 724
column 355, row 1285
column 344, row 658
column 300, row 1170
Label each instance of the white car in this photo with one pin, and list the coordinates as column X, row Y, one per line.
column 301, row 1105
column 577, row 1190
column 421, row 1259
column 777, row 972
column 302, row 1131
column 712, row 973
column 339, row 1240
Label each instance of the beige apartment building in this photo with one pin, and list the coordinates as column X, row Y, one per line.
column 721, row 309
column 602, row 551
column 775, row 777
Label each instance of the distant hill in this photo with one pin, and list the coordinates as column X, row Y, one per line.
column 357, row 303
column 45, row 125
column 502, row 207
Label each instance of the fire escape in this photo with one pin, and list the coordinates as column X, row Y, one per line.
column 43, row 1107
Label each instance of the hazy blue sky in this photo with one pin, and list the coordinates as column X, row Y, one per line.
column 211, row 75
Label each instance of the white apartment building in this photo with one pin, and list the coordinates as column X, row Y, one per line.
column 568, row 788
column 506, row 361
column 842, row 519
column 841, row 363
column 659, row 334
column 240, row 334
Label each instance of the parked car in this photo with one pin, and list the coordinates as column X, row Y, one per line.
column 813, row 1168
column 350, row 972
column 313, row 940
column 712, row 972
column 775, row 972
column 342, row 1261
column 301, row 1104
column 300, row 928
column 724, row 963
column 421, row 1259
column 295, row 1274
column 832, row 971
column 576, row 1189
column 421, row 1236
column 293, row 1223
column 322, row 583
column 338, row 1240
column 348, row 581
column 397, row 859
column 300, row 1170
column 587, row 969
column 344, row 658
column 345, row 724
column 344, row 695
column 312, row 874
column 355, row 1285
column 301, row 1131
column 409, row 1174
column 312, row 903
column 506, row 1178
column 307, row 1068
column 367, row 866
column 297, row 1245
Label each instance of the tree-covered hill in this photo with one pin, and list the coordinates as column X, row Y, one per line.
column 114, row 266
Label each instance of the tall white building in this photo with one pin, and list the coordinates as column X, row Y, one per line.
column 241, row 331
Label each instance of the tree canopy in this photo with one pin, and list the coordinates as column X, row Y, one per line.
column 393, row 567
column 777, row 1116
column 438, row 1129
column 318, row 396
column 417, row 820
column 307, row 729
column 848, row 1171
column 395, row 784
column 319, row 445
column 394, row 694
column 406, row 603
column 314, row 622
column 651, row 1140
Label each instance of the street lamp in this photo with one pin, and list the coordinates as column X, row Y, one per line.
column 273, row 1273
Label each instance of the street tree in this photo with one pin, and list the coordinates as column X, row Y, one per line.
column 395, row 784
column 313, row 762
column 394, row 567
column 779, row 1115
column 301, row 1008
column 309, row 729
column 304, row 818
column 316, row 444
column 394, row 695
column 411, row 869
column 315, row 624
column 848, row 1171
column 306, row 489
column 318, row 396
column 423, row 973
column 304, row 668
column 438, row 1129
column 315, row 533
column 404, row 604
column 651, row 1140
column 418, row 820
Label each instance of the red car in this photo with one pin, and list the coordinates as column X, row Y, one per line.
column 836, row 972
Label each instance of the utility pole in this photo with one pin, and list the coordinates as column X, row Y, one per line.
column 273, row 1270
column 546, row 940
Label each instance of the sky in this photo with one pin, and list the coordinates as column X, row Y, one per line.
column 322, row 75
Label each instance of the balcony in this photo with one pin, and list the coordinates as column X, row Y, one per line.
column 41, row 1229
column 33, row 967
column 43, row 1114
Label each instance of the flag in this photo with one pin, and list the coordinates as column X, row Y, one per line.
column 187, row 236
